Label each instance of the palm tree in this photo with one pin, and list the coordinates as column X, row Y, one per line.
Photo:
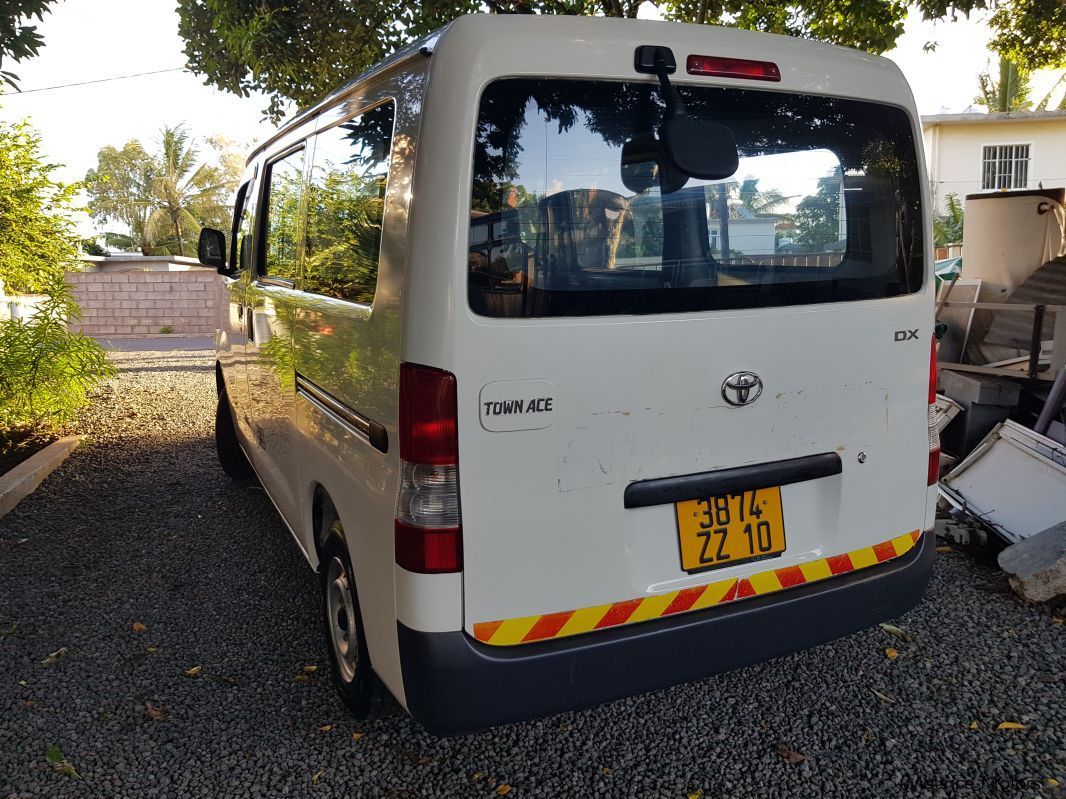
column 182, row 192
column 1009, row 93
column 947, row 228
column 760, row 203
column 1043, row 104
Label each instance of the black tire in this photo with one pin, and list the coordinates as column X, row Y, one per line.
column 349, row 659
column 230, row 455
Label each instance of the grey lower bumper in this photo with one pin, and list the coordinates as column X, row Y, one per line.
column 454, row 684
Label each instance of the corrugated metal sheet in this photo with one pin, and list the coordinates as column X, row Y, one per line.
column 1046, row 286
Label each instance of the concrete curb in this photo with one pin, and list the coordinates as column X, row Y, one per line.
column 23, row 480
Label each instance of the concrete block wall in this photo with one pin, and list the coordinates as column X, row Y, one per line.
column 141, row 303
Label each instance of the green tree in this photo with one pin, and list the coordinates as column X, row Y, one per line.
column 297, row 50
column 37, row 239
column 46, row 371
column 120, row 187
column 163, row 199
column 947, row 228
column 818, row 215
column 19, row 38
column 1031, row 33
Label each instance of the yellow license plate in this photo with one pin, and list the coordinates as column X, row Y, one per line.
column 729, row 529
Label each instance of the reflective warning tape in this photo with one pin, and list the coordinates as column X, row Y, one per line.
column 573, row 622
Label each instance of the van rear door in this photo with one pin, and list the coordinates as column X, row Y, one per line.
column 621, row 332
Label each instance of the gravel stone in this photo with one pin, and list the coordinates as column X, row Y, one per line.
column 141, row 525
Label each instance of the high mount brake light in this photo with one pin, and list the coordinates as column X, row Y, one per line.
column 720, row 67
column 428, row 529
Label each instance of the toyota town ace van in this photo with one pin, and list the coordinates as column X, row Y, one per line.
column 584, row 357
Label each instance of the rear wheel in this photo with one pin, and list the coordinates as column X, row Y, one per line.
column 352, row 675
column 230, row 455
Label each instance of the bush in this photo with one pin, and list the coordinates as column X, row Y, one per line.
column 37, row 238
column 46, row 371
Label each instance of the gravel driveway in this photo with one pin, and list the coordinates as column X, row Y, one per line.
column 140, row 527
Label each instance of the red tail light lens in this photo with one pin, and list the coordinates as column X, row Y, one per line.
column 719, row 67
column 427, row 415
column 429, row 551
column 933, row 475
column 428, row 527
column 932, row 374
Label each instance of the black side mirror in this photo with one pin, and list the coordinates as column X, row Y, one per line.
column 211, row 249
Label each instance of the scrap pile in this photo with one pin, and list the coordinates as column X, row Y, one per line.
column 1002, row 380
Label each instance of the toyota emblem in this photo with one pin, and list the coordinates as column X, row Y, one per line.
column 741, row 388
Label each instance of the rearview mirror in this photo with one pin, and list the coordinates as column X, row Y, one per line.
column 211, row 249
column 645, row 165
column 700, row 149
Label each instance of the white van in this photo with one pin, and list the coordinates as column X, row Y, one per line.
column 583, row 357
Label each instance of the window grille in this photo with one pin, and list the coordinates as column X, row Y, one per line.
column 1005, row 166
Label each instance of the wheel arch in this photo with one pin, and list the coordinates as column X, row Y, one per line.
column 322, row 508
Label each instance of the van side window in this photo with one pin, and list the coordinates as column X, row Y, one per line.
column 346, row 202
column 241, row 234
column 284, row 190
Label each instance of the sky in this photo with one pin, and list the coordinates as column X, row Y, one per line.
column 93, row 39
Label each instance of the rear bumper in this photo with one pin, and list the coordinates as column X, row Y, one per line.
column 453, row 684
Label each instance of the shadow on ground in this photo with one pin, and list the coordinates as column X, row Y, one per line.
column 141, row 526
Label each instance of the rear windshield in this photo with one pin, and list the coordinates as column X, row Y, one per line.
column 824, row 206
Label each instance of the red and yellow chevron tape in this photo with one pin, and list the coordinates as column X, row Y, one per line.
column 573, row 622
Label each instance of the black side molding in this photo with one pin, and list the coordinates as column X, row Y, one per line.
column 666, row 490
column 372, row 431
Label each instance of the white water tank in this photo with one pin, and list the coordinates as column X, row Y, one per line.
column 1008, row 235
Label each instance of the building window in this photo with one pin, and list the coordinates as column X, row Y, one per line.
column 1005, row 166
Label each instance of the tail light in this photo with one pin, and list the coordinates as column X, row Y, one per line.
column 428, row 526
column 934, row 434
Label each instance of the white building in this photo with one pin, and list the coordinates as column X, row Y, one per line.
column 973, row 153
column 748, row 234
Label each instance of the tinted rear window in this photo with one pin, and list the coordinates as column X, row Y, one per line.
column 825, row 206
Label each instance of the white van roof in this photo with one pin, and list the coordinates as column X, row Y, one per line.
column 806, row 65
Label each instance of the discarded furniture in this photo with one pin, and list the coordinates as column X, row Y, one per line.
column 1014, row 482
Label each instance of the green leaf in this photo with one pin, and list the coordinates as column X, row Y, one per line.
column 55, row 754
column 53, row 657
column 899, row 632
column 59, row 763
